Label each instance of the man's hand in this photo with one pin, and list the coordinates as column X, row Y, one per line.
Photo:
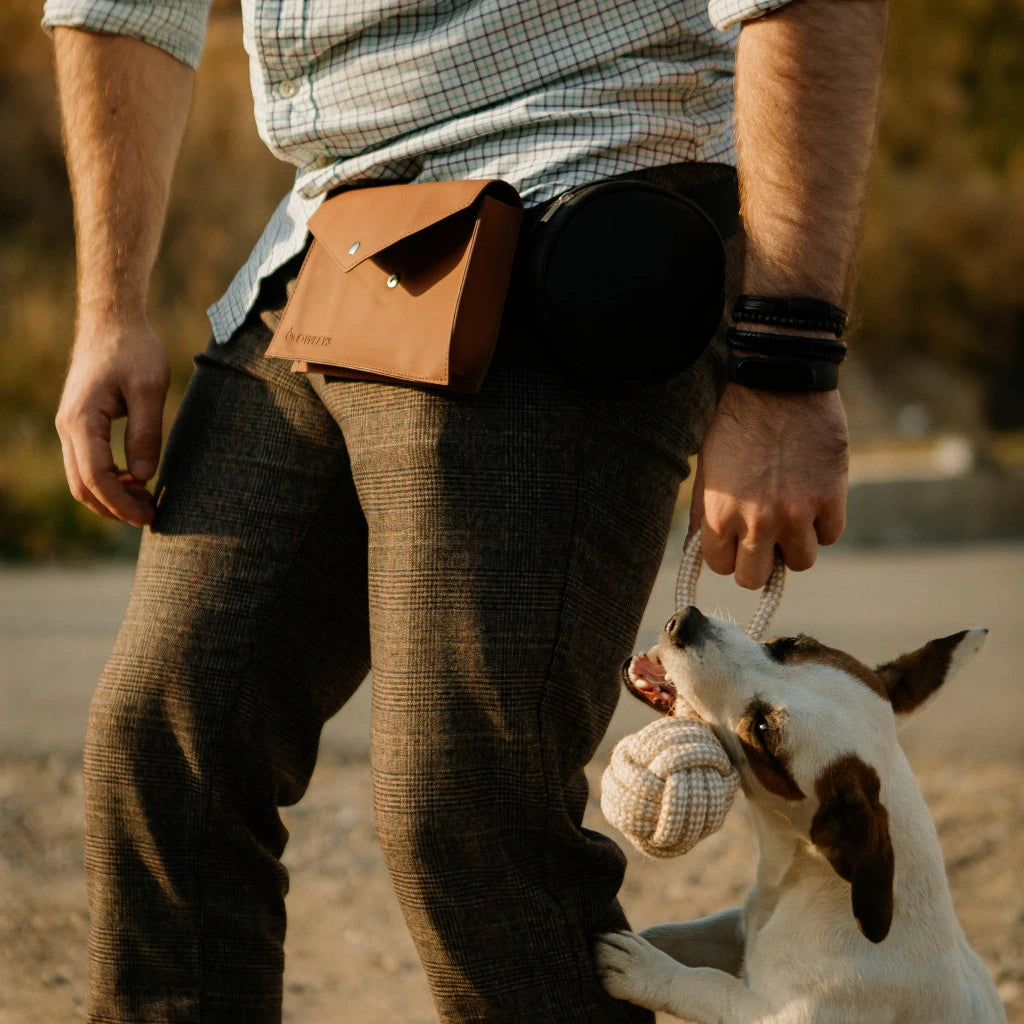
column 772, row 471
column 116, row 370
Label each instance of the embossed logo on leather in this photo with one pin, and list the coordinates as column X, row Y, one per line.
column 315, row 340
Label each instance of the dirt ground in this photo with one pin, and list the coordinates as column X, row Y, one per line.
column 348, row 954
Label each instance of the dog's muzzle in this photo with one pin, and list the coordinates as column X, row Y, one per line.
column 686, row 628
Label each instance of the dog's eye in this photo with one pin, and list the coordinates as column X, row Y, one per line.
column 762, row 730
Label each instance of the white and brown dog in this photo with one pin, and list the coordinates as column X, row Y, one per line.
column 850, row 918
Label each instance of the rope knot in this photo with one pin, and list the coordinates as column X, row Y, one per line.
column 668, row 786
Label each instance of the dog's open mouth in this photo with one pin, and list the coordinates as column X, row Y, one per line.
column 645, row 678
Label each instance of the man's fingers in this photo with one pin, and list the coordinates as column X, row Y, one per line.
column 831, row 522
column 100, row 477
column 143, row 434
column 754, row 562
column 748, row 549
column 719, row 549
column 78, row 489
column 800, row 548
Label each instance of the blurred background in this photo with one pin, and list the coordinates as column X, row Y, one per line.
column 938, row 368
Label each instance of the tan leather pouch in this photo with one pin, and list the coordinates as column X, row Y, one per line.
column 404, row 283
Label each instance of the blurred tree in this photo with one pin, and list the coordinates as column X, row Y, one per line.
column 943, row 256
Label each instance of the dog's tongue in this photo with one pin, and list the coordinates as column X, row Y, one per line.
column 646, row 679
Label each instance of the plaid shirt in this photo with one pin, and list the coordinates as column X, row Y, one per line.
column 546, row 94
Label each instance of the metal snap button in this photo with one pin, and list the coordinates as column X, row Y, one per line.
column 393, row 281
column 353, row 249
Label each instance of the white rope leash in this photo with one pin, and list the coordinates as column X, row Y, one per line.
column 671, row 784
column 689, row 573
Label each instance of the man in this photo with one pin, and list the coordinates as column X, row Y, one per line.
column 488, row 556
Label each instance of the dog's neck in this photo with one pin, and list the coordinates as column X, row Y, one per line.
column 920, row 872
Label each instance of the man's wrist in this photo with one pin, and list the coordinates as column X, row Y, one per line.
column 124, row 304
column 777, row 417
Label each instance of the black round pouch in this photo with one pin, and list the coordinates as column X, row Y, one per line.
column 626, row 280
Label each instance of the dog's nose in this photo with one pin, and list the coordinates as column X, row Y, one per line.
column 684, row 627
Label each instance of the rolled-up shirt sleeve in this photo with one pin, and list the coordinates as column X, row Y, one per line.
column 726, row 13
column 179, row 28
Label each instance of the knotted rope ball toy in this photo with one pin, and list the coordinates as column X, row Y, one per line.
column 668, row 786
column 671, row 784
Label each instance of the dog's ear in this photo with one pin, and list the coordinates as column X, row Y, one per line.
column 851, row 827
column 910, row 680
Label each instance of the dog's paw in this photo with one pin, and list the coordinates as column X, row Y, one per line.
column 631, row 968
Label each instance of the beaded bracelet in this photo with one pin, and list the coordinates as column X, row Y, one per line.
column 815, row 349
column 801, row 313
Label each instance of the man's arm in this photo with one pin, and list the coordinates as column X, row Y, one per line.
column 124, row 105
column 773, row 467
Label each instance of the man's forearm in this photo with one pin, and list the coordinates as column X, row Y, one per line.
column 124, row 105
column 807, row 92
column 773, row 466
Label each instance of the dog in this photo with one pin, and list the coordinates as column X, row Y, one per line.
column 850, row 918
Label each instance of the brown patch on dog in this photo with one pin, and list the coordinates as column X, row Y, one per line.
column 761, row 732
column 851, row 827
column 801, row 649
column 911, row 679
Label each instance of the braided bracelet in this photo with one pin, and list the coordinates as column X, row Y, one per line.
column 815, row 349
column 799, row 312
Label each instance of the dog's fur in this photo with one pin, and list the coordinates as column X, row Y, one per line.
column 850, row 918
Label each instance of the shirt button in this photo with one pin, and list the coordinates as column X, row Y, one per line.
column 323, row 161
column 287, row 89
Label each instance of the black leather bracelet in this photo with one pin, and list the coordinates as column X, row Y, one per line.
column 774, row 373
column 821, row 350
column 803, row 313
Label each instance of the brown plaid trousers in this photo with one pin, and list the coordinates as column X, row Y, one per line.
column 490, row 557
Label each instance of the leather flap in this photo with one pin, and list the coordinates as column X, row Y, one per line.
column 358, row 224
